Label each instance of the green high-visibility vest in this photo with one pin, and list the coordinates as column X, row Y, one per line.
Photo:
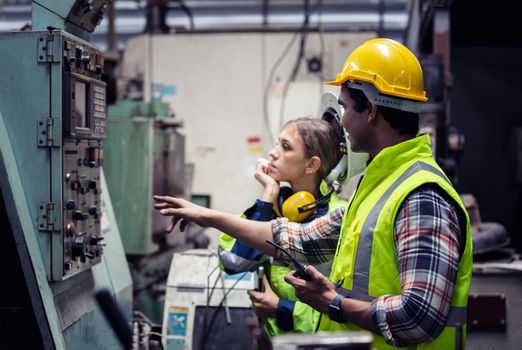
column 304, row 316
column 365, row 263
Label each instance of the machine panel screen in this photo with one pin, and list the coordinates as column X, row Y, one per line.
column 80, row 104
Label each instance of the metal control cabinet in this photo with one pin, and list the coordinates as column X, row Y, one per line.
column 52, row 89
column 55, row 211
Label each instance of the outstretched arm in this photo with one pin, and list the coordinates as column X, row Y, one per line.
column 252, row 233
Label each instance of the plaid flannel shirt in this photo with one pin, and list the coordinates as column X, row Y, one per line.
column 427, row 241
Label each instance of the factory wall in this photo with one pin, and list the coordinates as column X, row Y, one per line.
column 216, row 84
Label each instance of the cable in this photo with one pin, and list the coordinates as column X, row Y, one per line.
column 300, row 55
column 210, row 292
column 183, row 7
column 269, row 83
column 223, row 300
column 213, row 287
column 320, row 29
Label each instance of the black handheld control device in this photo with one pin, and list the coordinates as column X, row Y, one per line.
column 300, row 268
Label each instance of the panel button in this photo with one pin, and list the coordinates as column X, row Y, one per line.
column 70, row 204
column 77, row 215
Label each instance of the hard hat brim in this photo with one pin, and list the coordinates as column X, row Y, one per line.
column 333, row 82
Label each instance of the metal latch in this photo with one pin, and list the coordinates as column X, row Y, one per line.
column 47, row 220
column 46, row 133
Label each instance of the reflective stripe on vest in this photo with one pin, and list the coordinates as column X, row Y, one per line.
column 361, row 277
column 456, row 315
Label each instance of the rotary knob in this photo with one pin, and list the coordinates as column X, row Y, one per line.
column 78, row 246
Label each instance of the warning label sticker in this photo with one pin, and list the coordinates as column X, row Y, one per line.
column 177, row 324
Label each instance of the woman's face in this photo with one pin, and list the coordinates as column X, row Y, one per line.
column 287, row 158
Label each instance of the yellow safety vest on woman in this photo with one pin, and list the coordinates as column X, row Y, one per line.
column 304, row 317
column 365, row 264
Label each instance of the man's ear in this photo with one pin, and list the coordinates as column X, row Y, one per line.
column 313, row 165
column 372, row 112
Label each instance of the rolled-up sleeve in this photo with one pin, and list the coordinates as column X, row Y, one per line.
column 311, row 243
column 427, row 235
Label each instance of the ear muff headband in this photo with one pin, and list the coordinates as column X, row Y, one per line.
column 351, row 163
column 331, row 112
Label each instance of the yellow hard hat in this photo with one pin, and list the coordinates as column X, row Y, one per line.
column 387, row 65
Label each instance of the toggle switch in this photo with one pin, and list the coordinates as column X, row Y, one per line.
column 78, row 246
column 77, row 215
column 93, row 210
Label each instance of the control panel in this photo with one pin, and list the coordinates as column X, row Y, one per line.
column 84, row 128
column 84, row 100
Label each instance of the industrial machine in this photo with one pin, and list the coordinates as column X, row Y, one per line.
column 55, row 205
column 145, row 155
column 143, row 141
column 206, row 308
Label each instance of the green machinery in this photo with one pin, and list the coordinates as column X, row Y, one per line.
column 61, row 240
column 145, row 155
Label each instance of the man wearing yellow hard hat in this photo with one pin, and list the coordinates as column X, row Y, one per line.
column 401, row 249
column 403, row 263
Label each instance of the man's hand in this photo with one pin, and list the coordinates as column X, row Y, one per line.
column 264, row 303
column 181, row 209
column 318, row 292
column 252, row 233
